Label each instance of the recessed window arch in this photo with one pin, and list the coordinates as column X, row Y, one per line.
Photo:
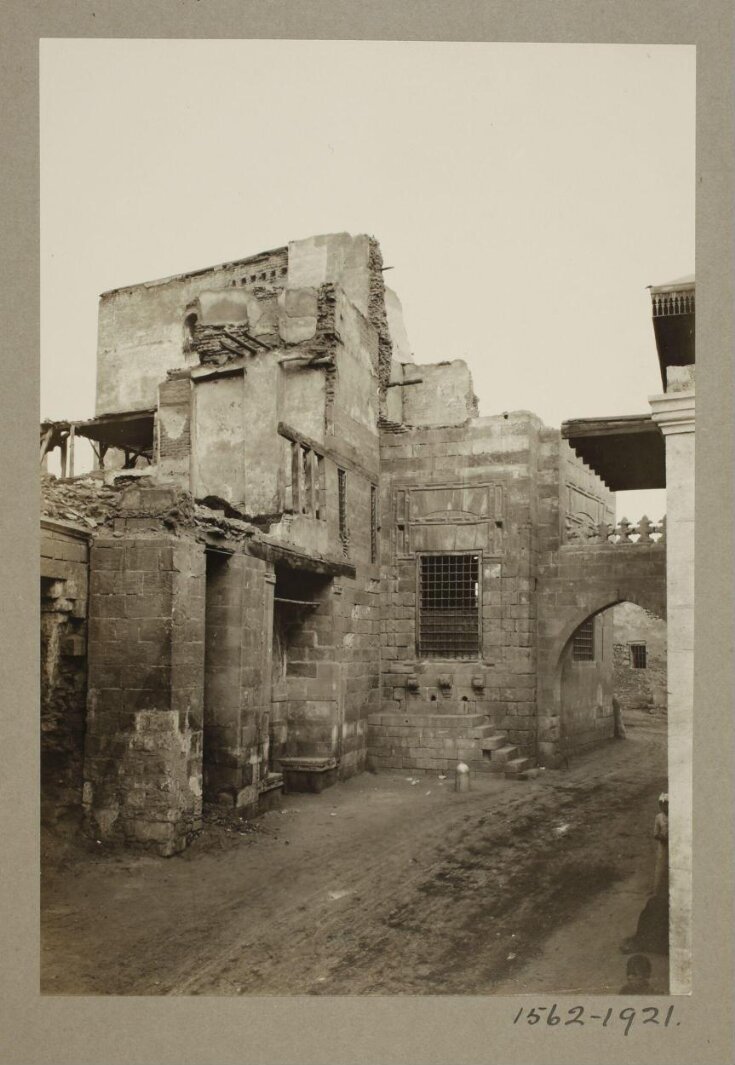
column 190, row 323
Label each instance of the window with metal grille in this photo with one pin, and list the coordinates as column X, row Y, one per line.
column 638, row 655
column 342, row 509
column 583, row 642
column 373, row 523
column 449, row 606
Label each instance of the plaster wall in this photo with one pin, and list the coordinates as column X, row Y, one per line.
column 444, row 398
column 218, row 460
column 338, row 258
column 141, row 327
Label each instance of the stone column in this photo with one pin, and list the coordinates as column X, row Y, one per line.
column 674, row 414
column 143, row 754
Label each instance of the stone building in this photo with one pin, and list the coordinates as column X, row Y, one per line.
column 639, row 655
column 304, row 554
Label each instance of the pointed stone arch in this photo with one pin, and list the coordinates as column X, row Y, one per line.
column 587, row 581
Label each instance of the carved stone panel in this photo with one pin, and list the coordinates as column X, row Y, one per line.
column 448, row 517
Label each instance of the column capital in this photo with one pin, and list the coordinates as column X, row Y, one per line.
column 673, row 412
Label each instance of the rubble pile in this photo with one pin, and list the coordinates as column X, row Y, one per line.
column 86, row 501
column 215, row 521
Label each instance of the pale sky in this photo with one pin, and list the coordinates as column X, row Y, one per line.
column 524, row 194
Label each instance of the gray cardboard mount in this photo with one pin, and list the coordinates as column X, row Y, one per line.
column 346, row 1030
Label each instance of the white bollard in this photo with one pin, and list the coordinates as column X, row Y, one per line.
column 462, row 777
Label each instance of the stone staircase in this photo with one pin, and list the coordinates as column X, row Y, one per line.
column 426, row 742
column 498, row 755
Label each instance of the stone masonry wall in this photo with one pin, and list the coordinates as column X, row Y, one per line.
column 486, row 469
column 239, row 605
column 639, row 688
column 143, row 777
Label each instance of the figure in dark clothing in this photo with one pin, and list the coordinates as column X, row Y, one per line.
column 652, row 933
column 638, row 974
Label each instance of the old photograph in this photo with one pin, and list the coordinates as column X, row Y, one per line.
column 367, row 442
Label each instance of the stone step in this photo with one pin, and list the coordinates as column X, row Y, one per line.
column 425, row 719
column 481, row 732
column 516, row 766
column 494, row 742
column 505, row 754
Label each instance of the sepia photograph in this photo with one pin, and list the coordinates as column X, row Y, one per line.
column 367, row 441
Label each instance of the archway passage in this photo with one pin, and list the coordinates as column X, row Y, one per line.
column 586, row 580
column 612, row 671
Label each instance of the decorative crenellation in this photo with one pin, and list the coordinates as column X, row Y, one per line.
column 625, row 532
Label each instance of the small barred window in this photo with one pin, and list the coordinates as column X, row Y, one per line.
column 638, row 655
column 583, row 642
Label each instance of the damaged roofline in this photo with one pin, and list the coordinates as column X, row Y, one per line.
column 186, row 275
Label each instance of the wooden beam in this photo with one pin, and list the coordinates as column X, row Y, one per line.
column 45, row 441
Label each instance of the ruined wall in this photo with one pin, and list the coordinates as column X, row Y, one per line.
column 141, row 331
column 143, row 757
column 635, row 687
column 444, row 398
column 335, row 653
column 336, row 258
column 174, row 429
column 64, row 583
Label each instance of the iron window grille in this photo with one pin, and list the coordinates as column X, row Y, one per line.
column 583, row 642
column 449, row 606
column 638, row 655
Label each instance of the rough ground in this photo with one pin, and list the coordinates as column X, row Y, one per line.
column 378, row 886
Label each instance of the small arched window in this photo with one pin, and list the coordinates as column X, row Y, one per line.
column 190, row 324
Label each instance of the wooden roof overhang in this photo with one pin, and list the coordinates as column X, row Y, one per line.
column 626, row 452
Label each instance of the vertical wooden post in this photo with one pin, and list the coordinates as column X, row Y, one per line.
column 311, row 482
column 71, row 449
column 62, row 449
column 296, row 477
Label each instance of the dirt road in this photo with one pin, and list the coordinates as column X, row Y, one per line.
column 378, row 886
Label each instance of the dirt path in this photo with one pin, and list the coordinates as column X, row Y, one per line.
column 378, row 886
